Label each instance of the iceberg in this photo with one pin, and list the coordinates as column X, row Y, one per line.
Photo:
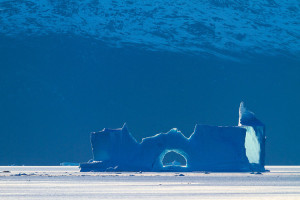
column 210, row 148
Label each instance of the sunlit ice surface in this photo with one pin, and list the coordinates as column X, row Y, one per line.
column 67, row 182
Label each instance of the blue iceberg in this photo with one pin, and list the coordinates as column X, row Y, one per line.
column 210, row 148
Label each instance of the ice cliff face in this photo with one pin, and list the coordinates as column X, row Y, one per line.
column 218, row 27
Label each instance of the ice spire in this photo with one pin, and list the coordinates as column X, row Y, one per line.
column 247, row 117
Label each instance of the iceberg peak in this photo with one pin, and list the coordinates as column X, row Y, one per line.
column 124, row 127
column 247, row 117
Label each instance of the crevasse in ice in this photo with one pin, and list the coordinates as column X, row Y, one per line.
column 210, row 148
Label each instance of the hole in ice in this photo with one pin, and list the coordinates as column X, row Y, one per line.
column 173, row 158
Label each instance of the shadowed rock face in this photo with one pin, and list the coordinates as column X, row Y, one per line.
column 209, row 148
column 217, row 27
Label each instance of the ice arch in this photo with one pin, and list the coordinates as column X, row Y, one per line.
column 179, row 153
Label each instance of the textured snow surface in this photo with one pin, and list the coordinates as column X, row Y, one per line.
column 27, row 182
column 211, row 26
